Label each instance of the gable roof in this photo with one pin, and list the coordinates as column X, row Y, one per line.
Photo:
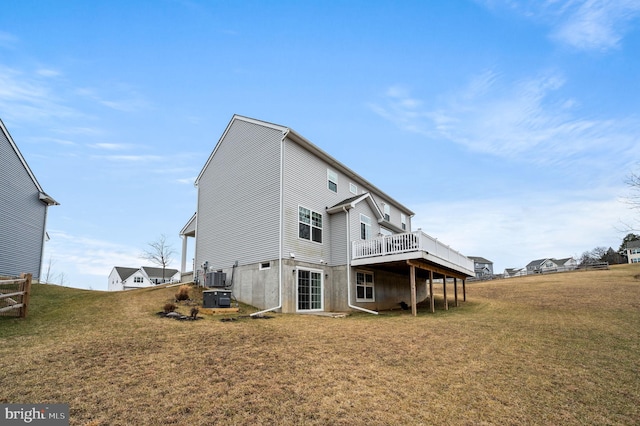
column 190, row 228
column 351, row 202
column 479, row 259
column 306, row 144
column 124, row 272
column 44, row 197
column 157, row 272
column 537, row 262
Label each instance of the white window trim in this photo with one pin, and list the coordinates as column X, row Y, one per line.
column 386, row 210
column 332, row 177
column 321, row 272
column 311, row 225
column 367, row 223
column 262, row 267
column 373, row 286
column 353, row 188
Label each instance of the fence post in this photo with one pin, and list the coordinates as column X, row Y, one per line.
column 26, row 288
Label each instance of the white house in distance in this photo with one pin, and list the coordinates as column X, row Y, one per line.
column 122, row 278
column 296, row 231
column 633, row 251
column 23, row 212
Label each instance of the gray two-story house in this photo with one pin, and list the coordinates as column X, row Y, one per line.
column 23, row 212
column 294, row 230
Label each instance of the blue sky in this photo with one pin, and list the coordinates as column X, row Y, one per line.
column 507, row 126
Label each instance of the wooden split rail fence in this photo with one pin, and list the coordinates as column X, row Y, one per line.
column 14, row 296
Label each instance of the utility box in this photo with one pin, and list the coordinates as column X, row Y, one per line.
column 215, row 279
column 216, row 299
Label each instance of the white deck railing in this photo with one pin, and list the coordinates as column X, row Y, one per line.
column 409, row 242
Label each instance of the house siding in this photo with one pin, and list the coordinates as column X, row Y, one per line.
column 22, row 216
column 238, row 198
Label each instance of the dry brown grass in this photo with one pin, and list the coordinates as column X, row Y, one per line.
column 552, row 349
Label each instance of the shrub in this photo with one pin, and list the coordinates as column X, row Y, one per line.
column 183, row 293
column 169, row 307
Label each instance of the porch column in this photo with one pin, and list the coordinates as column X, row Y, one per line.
column 444, row 288
column 455, row 290
column 412, row 273
column 431, row 304
column 183, row 263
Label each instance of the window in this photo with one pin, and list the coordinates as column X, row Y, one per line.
column 138, row 280
column 385, row 232
column 309, row 290
column 309, row 225
column 364, row 287
column 403, row 219
column 332, row 180
column 387, row 212
column 365, row 227
column 265, row 265
column 353, row 188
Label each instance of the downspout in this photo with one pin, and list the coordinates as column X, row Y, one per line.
column 280, row 230
column 349, row 267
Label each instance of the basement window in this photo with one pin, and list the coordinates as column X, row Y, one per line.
column 364, row 287
column 265, row 265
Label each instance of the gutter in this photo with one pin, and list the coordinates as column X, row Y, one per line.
column 280, row 230
column 349, row 268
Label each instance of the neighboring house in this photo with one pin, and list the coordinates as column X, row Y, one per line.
column 541, row 266
column 633, row 251
column 294, row 230
column 566, row 264
column 23, row 212
column 514, row 272
column 482, row 267
column 122, row 278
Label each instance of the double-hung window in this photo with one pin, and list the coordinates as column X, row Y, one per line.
column 138, row 280
column 365, row 227
column 332, row 180
column 364, row 287
column 387, row 212
column 403, row 220
column 309, row 225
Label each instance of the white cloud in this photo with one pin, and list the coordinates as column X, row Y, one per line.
column 512, row 232
column 583, row 24
column 597, row 24
column 132, row 102
column 527, row 119
column 111, row 146
column 24, row 97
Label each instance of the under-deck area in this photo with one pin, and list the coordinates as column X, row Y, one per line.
column 421, row 258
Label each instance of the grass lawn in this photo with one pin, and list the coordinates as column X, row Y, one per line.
column 544, row 350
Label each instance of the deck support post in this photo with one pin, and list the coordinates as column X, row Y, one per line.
column 414, row 308
column 444, row 290
column 431, row 303
column 464, row 290
column 455, row 290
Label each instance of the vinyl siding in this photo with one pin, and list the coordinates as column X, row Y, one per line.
column 238, row 198
column 338, row 239
column 305, row 184
column 22, row 216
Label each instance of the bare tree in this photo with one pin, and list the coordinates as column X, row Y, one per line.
column 160, row 252
column 633, row 181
